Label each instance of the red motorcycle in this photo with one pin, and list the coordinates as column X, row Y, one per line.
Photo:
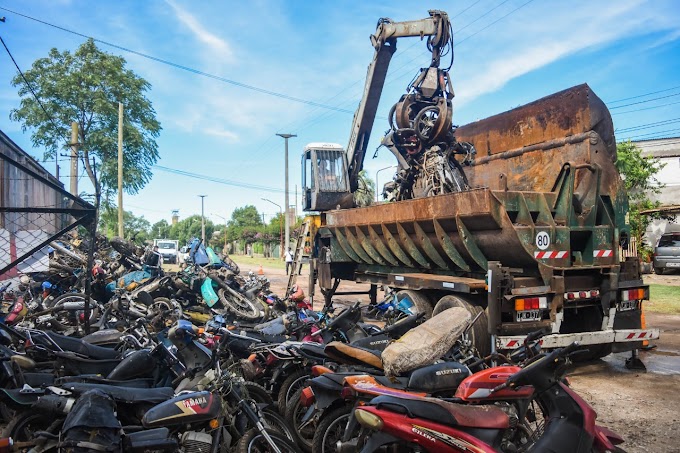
column 434, row 425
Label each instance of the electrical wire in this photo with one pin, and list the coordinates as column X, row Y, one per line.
column 227, row 182
column 497, row 20
column 645, row 101
column 643, row 95
column 647, row 108
column 184, row 67
column 652, row 133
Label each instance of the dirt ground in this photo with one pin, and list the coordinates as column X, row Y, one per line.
column 644, row 408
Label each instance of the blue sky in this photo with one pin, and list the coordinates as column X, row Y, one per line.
column 511, row 52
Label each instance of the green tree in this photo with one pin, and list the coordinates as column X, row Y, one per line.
column 160, row 229
column 189, row 228
column 639, row 178
column 365, row 194
column 244, row 220
column 86, row 86
column 137, row 228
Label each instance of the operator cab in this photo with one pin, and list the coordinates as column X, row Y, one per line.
column 325, row 183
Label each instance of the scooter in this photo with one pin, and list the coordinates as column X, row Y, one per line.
column 435, row 425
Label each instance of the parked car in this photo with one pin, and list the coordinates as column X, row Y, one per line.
column 183, row 254
column 667, row 253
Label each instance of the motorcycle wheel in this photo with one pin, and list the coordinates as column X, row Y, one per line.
column 122, row 246
column 239, row 305
column 23, row 427
column 276, row 422
column 254, row 442
column 289, row 386
column 331, row 429
column 304, row 436
column 258, row 393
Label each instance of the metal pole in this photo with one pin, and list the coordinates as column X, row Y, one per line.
column 74, row 158
column 376, row 180
column 202, row 219
column 280, row 226
column 120, row 170
column 287, row 201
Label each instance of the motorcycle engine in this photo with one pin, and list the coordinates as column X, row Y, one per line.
column 196, row 442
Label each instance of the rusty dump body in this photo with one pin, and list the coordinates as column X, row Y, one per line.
column 547, row 210
column 546, row 168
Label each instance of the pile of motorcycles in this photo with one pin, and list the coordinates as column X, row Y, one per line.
column 208, row 360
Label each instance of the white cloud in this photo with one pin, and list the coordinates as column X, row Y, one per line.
column 218, row 47
column 229, row 135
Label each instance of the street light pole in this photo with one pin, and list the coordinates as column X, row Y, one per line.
column 280, row 226
column 286, row 201
column 376, row 180
column 202, row 219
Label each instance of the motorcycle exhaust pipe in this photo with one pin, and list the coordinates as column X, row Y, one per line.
column 54, row 404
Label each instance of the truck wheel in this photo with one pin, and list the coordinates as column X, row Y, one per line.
column 479, row 331
column 420, row 301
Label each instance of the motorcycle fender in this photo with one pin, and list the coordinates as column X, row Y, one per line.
column 606, row 439
column 138, row 364
column 208, row 292
column 324, row 398
column 187, row 408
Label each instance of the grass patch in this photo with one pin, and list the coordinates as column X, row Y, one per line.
column 245, row 260
column 664, row 299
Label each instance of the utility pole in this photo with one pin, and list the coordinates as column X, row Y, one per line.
column 287, row 201
column 74, row 159
column 202, row 219
column 120, row 169
column 280, row 226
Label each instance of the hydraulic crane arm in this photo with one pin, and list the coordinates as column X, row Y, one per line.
column 437, row 29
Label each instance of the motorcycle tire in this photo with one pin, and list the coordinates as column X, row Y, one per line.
column 22, row 427
column 304, row 437
column 289, row 386
column 331, row 429
column 254, row 442
column 420, row 302
column 258, row 393
column 123, row 247
column 240, row 306
column 276, row 422
column 64, row 297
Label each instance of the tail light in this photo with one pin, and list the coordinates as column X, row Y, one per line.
column 307, row 397
column 635, row 294
column 368, row 419
column 531, row 303
column 348, row 393
column 318, row 370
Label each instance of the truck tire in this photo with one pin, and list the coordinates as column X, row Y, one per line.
column 479, row 331
column 420, row 301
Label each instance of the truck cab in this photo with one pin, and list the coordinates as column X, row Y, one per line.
column 168, row 250
column 324, row 177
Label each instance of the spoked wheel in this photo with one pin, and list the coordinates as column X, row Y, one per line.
column 239, row 305
column 23, row 427
column 427, row 122
column 256, row 442
column 290, row 385
column 331, row 430
column 302, row 431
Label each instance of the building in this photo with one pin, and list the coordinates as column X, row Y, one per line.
column 667, row 150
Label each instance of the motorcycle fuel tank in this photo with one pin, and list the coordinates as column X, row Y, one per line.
column 187, row 408
column 138, row 364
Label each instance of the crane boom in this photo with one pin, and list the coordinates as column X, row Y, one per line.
column 436, row 28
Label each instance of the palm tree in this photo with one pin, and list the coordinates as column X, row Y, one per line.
column 365, row 194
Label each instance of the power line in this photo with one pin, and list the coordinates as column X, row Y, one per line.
column 643, row 95
column 185, row 68
column 645, row 101
column 217, row 180
column 648, row 125
column 653, row 133
column 647, row 108
column 497, row 20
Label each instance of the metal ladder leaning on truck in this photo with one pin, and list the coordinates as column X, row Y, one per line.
column 532, row 240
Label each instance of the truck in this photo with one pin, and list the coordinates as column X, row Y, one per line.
column 521, row 222
column 168, row 248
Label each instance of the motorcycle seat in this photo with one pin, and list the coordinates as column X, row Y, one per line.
column 125, row 394
column 142, row 383
column 82, row 347
column 486, row 417
column 353, row 355
column 314, row 350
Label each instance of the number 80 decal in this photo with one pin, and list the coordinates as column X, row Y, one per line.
column 542, row 240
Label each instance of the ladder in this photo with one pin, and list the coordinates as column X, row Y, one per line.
column 297, row 256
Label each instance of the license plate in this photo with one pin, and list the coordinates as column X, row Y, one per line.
column 626, row 305
column 528, row 315
column 672, row 264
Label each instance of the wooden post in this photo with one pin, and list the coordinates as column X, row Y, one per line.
column 120, row 170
